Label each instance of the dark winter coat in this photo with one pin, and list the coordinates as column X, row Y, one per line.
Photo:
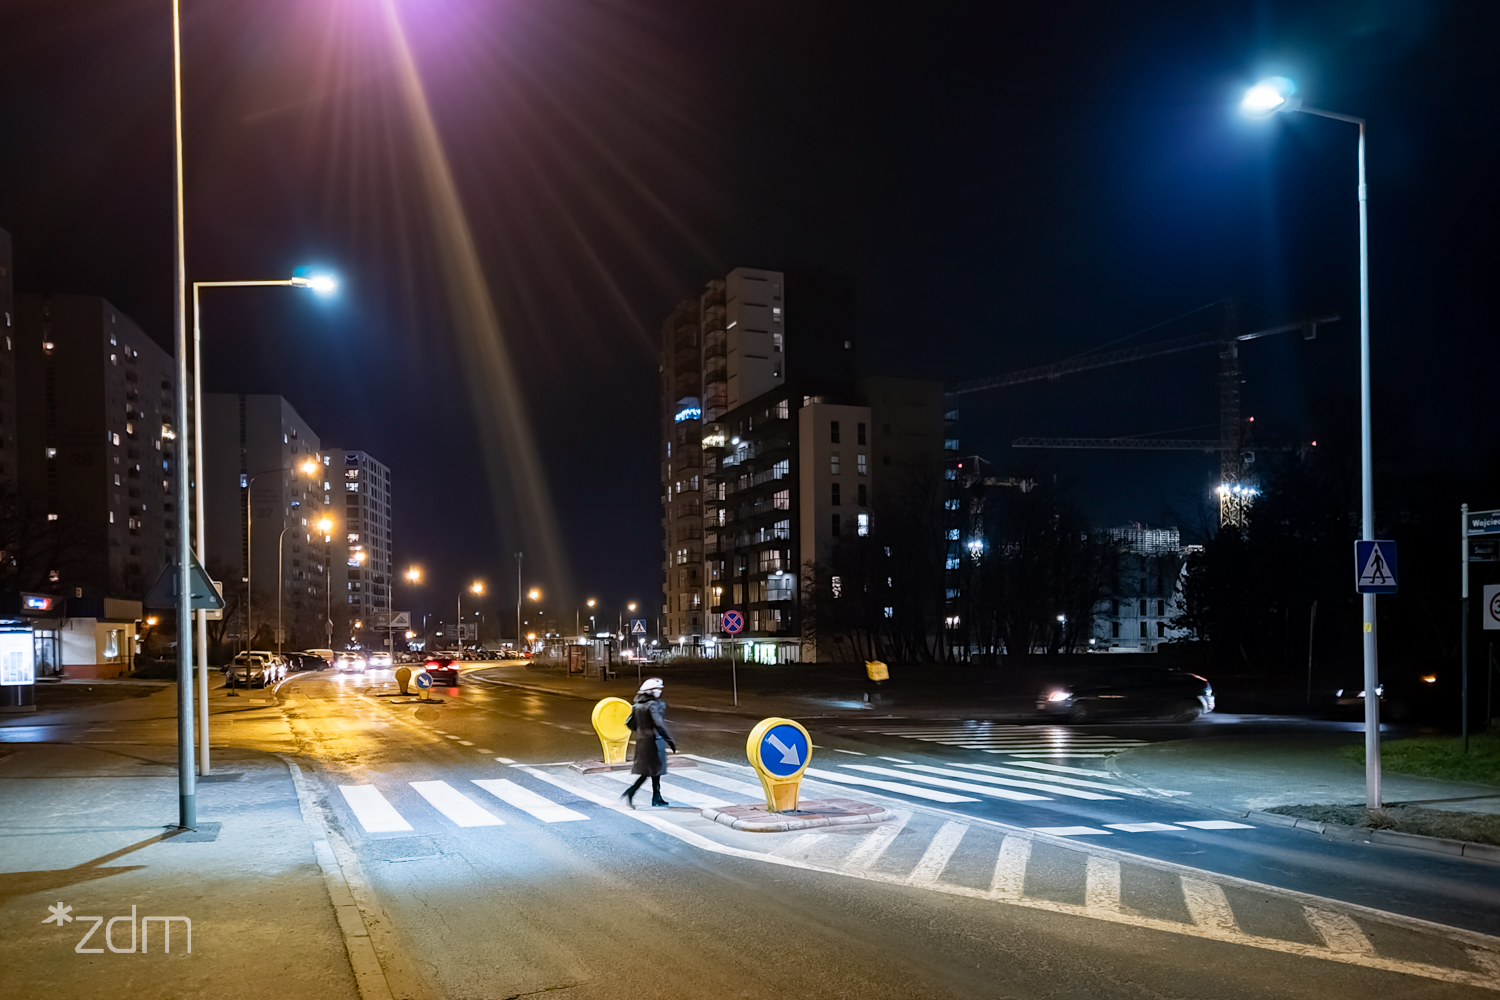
column 651, row 736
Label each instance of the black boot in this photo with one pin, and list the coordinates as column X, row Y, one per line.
column 657, row 800
column 629, row 796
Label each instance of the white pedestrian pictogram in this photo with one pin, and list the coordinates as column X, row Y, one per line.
column 1375, row 572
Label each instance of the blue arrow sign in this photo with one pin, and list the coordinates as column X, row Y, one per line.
column 733, row 622
column 1375, row 567
column 424, row 680
column 637, row 626
column 783, row 750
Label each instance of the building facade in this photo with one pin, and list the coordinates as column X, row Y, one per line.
column 1145, row 591
column 9, row 458
column 267, row 486
column 97, row 450
column 772, row 451
column 361, row 504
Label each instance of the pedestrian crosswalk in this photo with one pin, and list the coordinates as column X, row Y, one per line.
column 493, row 801
column 1016, row 741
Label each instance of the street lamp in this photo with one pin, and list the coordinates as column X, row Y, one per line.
column 476, row 588
column 413, row 576
column 578, row 617
column 1269, row 97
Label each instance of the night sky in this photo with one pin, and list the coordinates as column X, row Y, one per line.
column 1010, row 184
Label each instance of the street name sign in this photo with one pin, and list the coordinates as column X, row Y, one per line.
column 779, row 750
column 734, row 622
column 1375, row 566
column 1484, row 522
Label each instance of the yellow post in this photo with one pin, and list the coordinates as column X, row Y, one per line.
column 403, row 677
column 779, row 750
column 609, row 722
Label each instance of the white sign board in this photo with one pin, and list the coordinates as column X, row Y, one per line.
column 1492, row 605
column 17, row 665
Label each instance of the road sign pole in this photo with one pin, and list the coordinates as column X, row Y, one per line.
column 1463, row 628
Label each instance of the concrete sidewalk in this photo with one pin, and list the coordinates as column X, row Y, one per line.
column 908, row 702
column 1240, row 773
column 90, row 831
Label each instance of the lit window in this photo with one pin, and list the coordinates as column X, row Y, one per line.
column 952, row 534
column 780, row 470
column 952, row 563
column 111, row 517
column 352, row 487
column 51, row 452
column 890, row 612
column 836, row 585
column 950, row 504
column 833, row 462
column 950, row 444
column 353, row 537
column 130, row 428
column 52, row 517
column 859, row 461
column 947, row 473
column 952, row 593
column 114, row 438
column 782, row 500
column 782, row 530
column 863, row 524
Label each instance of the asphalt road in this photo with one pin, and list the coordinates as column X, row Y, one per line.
column 539, row 881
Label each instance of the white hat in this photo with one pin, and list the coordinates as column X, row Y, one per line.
column 651, row 684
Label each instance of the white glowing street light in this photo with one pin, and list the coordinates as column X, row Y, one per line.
column 1269, row 97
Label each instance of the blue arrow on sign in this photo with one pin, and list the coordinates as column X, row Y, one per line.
column 783, row 750
column 733, row 622
column 424, row 680
column 1375, row 567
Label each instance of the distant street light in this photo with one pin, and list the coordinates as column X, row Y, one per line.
column 476, row 588
column 1269, row 97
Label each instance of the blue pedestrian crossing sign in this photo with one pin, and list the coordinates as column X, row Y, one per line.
column 637, row 626
column 1375, row 566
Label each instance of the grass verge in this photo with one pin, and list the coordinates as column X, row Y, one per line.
column 1481, row 828
column 1439, row 757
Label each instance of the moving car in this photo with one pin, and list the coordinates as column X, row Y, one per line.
column 305, row 661
column 349, row 663
column 443, row 669
column 1140, row 692
column 326, row 655
column 380, row 660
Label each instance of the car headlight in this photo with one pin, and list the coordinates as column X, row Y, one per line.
column 1059, row 695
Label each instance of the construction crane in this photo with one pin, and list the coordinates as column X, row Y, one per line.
column 1235, row 491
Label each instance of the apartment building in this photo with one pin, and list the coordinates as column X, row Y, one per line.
column 97, row 450
column 1145, row 591
column 9, row 387
column 361, row 507
column 267, row 486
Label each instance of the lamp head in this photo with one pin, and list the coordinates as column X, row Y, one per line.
column 631, row 605
column 323, row 284
column 477, row 587
column 325, row 525
column 1271, row 95
column 591, row 602
column 309, row 467
column 414, row 575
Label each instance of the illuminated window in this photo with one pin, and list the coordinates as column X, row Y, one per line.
column 833, row 462
column 890, row 612
column 51, row 452
column 353, row 537
column 950, row 504
column 953, row 534
column 52, row 517
column 114, row 439
column 859, row 461
column 862, row 522
column 836, row 585
column 952, row 563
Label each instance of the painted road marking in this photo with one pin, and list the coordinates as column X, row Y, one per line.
column 800, row 844
column 1060, row 768
column 455, row 805
column 1069, row 831
column 374, row 813
column 1213, row 824
column 526, row 800
column 961, row 786
column 1010, row 867
column 1208, row 906
column 1102, row 883
column 1058, row 779
column 888, row 786
column 719, row 781
column 670, row 792
column 1142, row 827
column 1055, row 789
column 1338, row 931
column 939, row 850
column 875, row 842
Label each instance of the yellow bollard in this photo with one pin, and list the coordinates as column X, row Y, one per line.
column 779, row 750
column 403, row 677
column 609, row 722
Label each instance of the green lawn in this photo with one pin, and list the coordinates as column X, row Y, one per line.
column 1439, row 757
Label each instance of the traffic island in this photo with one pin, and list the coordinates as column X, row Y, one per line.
column 812, row 813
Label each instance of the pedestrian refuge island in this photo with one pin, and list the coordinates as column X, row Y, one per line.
column 780, row 750
column 609, row 717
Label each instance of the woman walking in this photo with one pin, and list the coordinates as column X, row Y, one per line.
column 648, row 719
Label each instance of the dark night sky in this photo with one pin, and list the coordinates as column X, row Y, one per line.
column 1010, row 183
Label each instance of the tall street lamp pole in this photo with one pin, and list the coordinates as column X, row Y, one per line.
column 320, row 284
column 476, row 588
column 413, row 576
column 1267, row 98
column 518, row 600
column 187, row 788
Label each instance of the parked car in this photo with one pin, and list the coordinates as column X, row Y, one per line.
column 304, row 661
column 443, row 669
column 350, row 663
column 326, row 655
column 1140, row 692
column 252, row 670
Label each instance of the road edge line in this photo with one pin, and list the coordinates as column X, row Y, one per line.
column 369, row 972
